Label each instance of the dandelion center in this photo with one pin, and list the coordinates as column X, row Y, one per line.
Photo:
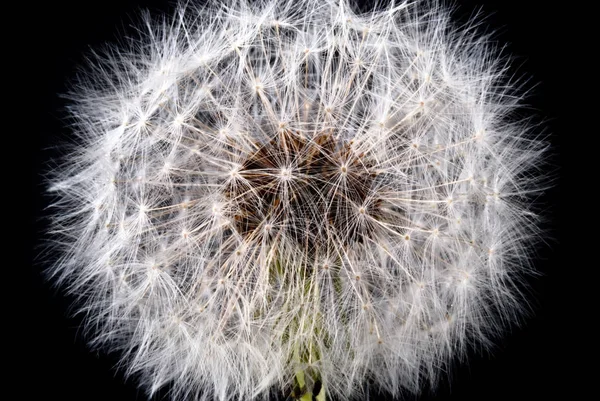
column 310, row 189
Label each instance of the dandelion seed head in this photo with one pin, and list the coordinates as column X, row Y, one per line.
column 293, row 196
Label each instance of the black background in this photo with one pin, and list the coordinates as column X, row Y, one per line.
column 533, row 362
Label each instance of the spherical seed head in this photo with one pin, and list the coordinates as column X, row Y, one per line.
column 290, row 195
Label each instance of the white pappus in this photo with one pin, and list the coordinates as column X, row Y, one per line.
column 295, row 197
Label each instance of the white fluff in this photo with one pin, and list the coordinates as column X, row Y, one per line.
column 264, row 190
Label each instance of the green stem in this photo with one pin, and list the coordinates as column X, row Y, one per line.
column 305, row 394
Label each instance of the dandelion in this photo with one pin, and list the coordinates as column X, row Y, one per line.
column 294, row 197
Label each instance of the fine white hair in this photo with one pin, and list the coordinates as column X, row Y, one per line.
column 296, row 196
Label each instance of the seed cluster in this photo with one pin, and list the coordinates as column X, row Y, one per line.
column 292, row 195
